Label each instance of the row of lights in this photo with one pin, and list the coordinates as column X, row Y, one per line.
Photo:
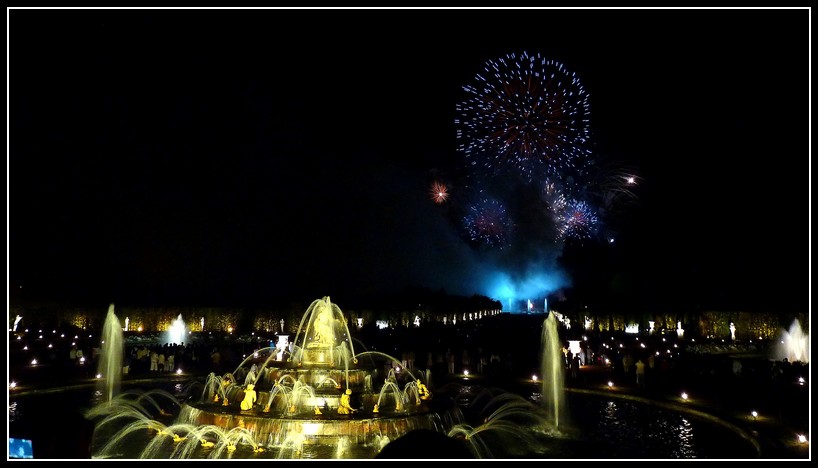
column 13, row 384
column 20, row 337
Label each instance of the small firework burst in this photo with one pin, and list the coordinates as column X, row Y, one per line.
column 439, row 192
column 489, row 223
column 577, row 220
column 553, row 196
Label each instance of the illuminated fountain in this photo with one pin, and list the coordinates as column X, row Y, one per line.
column 178, row 331
column 292, row 410
column 511, row 426
column 322, row 401
column 553, row 370
column 109, row 367
column 792, row 344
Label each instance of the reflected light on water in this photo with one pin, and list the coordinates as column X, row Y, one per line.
column 13, row 413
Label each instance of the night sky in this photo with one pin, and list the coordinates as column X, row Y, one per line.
column 236, row 157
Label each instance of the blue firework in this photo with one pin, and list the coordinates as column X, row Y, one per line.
column 576, row 220
column 527, row 112
column 488, row 222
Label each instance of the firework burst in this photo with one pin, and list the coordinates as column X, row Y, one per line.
column 525, row 111
column 439, row 192
column 577, row 220
column 489, row 223
column 553, row 196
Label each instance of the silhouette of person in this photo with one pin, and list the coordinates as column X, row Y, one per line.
column 640, row 373
column 575, row 366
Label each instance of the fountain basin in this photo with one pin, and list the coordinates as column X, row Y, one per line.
column 324, row 428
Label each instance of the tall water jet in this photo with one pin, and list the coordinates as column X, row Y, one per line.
column 792, row 344
column 110, row 360
column 177, row 332
column 323, row 338
column 553, row 371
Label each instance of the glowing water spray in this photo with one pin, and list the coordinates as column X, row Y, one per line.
column 553, row 391
column 176, row 332
column 110, row 362
column 793, row 344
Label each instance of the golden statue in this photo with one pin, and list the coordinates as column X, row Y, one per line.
column 344, row 406
column 323, row 327
column 249, row 398
column 423, row 391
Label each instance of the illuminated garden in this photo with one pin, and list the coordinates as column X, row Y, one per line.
column 314, row 390
column 540, row 235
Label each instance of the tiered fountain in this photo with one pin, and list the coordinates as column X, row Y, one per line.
column 325, row 401
column 320, row 401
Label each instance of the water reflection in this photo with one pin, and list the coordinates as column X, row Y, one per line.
column 637, row 431
column 14, row 413
column 684, row 432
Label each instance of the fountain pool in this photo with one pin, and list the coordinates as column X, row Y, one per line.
column 202, row 417
column 323, row 400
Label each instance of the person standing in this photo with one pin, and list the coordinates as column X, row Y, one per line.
column 627, row 361
column 640, row 373
column 450, row 361
column 126, row 363
column 481, row 361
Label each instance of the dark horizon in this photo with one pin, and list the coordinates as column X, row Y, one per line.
column 237, row 157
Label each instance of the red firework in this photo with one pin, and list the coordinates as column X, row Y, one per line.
column 439, row 192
